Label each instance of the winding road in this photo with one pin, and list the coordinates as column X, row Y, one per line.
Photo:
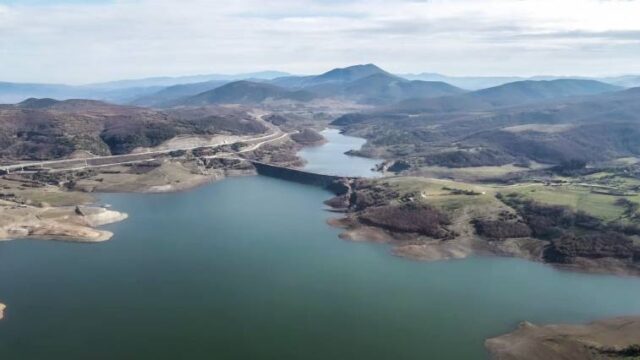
column 112, row 160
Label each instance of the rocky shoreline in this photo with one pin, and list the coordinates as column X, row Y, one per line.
column 59, row 206
column 371, row 212
column 60, row 223
column 616, row 338
column 376, row 211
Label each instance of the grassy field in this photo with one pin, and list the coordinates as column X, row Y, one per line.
column 472, row 173
column 50, row 195
column 440, row 193
column 577, row 197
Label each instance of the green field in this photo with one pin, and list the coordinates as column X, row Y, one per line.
column 576, row 197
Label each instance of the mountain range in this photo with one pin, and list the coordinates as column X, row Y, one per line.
column 424, row 122
column 122, row 91
column 365, row 84
column 510, row 94
column 549, row 122
column 483, row 82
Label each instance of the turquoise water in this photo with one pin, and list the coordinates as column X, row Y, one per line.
column 247, row 268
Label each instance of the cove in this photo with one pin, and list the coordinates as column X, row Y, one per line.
column 247, row 268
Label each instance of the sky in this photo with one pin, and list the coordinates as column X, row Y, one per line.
column 76, row 42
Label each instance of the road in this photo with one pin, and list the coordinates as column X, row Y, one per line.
column 275, row 135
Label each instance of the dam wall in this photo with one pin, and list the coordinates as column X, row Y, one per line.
column 336, row 184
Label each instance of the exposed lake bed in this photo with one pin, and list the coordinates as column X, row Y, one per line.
column 248, row 268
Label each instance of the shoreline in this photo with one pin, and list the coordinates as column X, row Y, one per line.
column 403, row 244
column 71, row 224
column 414, row 246
column 612, row 338
column 372, row 210
column 27, row 200
column 605, row 338
column 80, row 223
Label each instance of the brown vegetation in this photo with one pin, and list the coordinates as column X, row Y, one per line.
column 308, row 137
column 40, row 130
column 413, row 218
column 501, row 229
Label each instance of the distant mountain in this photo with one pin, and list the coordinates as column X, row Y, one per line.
column 483, row 82
column 11, row 93
column 597, row 127
column 350, row 74
column 174, row 94
column 511, row 94
column 171, row 81
column 606, row 108
column 35, row 103
column 121, row 92
column 628, row 81
column 379, row 89
column 521, row 92
column 588, row 128
column 246, row 92
column 366, row 84
column 77, row 105
column 335, row 76
column 16, row 92
column 465, row 82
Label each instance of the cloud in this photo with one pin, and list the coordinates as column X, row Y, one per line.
column 80, row 42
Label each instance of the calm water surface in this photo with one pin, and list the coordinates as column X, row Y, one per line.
column 330, row 159
column 247, row 269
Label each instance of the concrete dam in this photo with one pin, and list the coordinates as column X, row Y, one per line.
column 335, row 184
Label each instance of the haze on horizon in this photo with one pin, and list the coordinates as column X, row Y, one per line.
column 73, row 41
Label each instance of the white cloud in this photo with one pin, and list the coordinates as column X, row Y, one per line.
column 76, row 42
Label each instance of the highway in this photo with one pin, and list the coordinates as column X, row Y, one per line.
column 99, row 161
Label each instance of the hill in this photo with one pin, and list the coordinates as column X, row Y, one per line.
column 121, row 91
column 367, row 84
column 521, row 92
column 49, row 129
column 246, row 92
column 167, row 81
column 589, row 128
column 16, row 92
column 511, row 94
column 474, row 83
column 173, row 94
column 465, row 82
column 379, row 89
column 335, row 76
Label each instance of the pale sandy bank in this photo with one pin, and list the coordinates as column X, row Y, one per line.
column 67, row 223
column 617, row 338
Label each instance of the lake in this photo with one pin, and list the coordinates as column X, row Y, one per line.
column 247, row 268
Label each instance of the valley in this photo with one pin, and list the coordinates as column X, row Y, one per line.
column 543, row 171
